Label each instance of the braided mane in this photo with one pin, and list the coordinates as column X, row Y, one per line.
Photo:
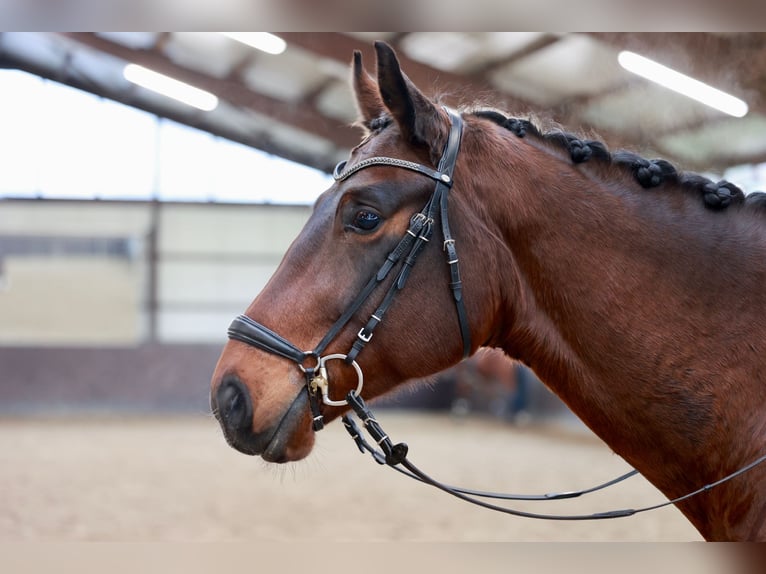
column 648, row 173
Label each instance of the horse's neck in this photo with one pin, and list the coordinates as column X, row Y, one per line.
column 644, row 326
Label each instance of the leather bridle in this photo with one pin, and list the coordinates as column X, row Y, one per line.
column 313, row 363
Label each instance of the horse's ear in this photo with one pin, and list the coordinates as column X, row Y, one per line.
column 368, row 100
column 417, row 116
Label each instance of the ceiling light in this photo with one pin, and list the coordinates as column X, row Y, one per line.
column 682, row 84
column 170, row 87
column 262, row 41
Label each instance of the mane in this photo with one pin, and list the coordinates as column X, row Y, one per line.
column 649, row 173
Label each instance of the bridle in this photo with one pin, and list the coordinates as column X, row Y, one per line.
column 313, row 363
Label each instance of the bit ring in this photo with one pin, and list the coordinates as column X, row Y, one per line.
column 325, row 391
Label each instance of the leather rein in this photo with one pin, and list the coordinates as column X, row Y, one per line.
column 313, row 363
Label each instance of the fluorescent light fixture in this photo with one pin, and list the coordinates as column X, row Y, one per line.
column 682, row 84
column 262, row 41
column 170, row 87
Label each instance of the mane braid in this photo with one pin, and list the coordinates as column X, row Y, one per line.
column 649, row 173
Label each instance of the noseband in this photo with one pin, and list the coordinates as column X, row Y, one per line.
column 313, row 363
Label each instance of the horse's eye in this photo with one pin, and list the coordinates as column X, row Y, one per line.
column 366, row 220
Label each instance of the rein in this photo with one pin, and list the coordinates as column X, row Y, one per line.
column 395, row 456
column 313, row 363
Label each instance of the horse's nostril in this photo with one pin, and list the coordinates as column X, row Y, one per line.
column 234, row 406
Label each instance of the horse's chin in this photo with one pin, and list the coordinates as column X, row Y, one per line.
column 290, row 439
column 293, row 437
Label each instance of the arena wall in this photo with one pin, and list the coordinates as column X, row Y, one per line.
column 127, row 273
column 109, row 305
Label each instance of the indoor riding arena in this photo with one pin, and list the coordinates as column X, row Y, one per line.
column 135, row 225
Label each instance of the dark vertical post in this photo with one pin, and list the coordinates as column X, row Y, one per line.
column 152, row 260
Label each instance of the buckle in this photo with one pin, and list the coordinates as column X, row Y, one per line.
column 364, row 337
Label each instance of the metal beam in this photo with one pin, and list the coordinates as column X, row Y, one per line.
column 301, row 116
column 198, row 121
column 449, row 87
column 707, row 53
column 340, row 47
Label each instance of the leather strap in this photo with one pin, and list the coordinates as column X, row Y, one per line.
column 341, row 173
column 447, row 165
column 395, row 456
column 244, row 329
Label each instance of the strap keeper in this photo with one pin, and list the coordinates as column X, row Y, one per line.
column 354, row 431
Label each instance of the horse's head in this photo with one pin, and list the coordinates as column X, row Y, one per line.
column 375, row 209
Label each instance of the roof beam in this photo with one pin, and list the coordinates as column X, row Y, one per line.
column 340, row 47
column 196, row 120
column 301, row 116
column 452, row 88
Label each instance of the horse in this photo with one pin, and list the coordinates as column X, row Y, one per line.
column 635, row 291
column 489, row 380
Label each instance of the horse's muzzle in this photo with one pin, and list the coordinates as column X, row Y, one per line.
column 233, row 407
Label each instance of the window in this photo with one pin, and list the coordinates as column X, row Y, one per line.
column 59, row 142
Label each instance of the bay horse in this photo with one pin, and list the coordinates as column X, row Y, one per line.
column 636, row 292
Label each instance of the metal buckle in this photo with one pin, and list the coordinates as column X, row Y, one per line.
column 363, row 337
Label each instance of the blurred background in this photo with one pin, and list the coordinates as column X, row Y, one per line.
column 134, row 225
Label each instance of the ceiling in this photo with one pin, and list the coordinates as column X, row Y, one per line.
column 298, row 104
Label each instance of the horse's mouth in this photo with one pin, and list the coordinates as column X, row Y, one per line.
column 280, row 447
column 283, row 442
